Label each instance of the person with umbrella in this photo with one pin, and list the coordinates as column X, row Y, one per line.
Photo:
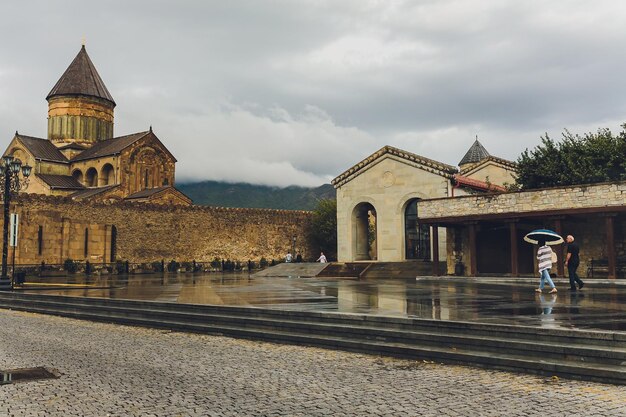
column 543, row 238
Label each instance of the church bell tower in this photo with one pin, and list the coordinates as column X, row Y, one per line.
column 80, row 108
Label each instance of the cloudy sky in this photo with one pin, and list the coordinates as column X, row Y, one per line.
column 295, row 91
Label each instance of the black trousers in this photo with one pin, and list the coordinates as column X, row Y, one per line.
column 573, row 276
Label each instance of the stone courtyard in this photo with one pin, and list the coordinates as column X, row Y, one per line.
column 110, row 370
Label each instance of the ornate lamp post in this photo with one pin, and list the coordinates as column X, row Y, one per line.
column 10, row 183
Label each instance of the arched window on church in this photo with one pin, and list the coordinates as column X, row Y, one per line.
column 91, row 178
column 86, row 241
column 78, row 175
column 40, row 240
column 107, row 175
column 113, row 243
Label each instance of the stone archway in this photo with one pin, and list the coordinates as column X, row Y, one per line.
column 107, row 175
column 91, row 177
column 364, row 228
column 416, row 236
column 78, row 175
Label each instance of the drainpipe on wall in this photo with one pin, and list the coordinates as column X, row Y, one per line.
column 457, row 185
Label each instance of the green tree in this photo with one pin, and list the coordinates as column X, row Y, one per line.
column 591, row 158
column 323, row 231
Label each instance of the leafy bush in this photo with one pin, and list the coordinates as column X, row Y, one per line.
column 263, row 263
column 173, row 266
column 120, row 267
column 216, row 263
column 70, row 266
column 323, row 228
column 157, row 266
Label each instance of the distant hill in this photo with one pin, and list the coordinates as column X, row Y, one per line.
column 222, row 194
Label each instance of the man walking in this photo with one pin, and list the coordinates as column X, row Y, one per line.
column 571, row 262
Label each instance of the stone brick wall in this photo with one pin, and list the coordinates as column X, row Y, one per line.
column 580, row 196
column 146, row 233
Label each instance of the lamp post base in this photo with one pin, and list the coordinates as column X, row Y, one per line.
column 5, row 284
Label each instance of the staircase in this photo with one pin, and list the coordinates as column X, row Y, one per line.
column 404, row 270
column 345, row 270
column 589, row 355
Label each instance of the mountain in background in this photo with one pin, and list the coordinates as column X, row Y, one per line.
column 222, row 194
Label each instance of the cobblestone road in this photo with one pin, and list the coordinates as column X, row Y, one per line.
column 111, row 370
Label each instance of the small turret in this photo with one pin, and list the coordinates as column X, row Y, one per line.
column 80, row 108
column 476, row 153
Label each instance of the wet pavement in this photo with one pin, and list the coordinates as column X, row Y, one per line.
column 600, row 305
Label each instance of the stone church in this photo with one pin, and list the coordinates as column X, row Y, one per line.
column 82, row 159
column 377, row 201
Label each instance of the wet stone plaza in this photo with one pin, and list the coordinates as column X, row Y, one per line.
column 600, row 305
column 116, row 370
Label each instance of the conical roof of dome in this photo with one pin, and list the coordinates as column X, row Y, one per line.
column 476, row 153
column 81, row 79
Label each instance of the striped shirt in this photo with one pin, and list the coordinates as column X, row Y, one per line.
column 544, row 255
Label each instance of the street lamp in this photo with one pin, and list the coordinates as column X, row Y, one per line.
column 10, row 183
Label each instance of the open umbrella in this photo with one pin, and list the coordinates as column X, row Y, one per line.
column 550, row 237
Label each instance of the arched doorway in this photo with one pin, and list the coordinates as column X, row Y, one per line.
column 91, row 178
column 364, row 232
column 416, row 236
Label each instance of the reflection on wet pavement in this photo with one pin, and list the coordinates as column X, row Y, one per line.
column 600, row 306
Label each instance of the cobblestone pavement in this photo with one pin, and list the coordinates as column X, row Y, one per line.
column 111, row 370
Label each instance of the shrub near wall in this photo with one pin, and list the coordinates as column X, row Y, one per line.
column 145, row 233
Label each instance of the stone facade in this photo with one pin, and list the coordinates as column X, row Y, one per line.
column 53, row 229
column 544, row 200
column 387, row 183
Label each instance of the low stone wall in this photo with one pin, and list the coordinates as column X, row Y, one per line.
column 53, row 229
column 564, row 198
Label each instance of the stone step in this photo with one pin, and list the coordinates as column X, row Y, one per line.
column 402, row 270
column 569, row 349
column 345, row 270
column 502, row 360
column 445, row 327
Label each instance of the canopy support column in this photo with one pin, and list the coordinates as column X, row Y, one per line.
column 435, row 235
column 610, row 246
column 472, row 248
column 514, row 261
column 560, row 268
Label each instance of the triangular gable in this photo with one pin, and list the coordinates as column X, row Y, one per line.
column 152, row 138
column 399, row 155
column 37, row 148
column 490, row 160
column 161, row 195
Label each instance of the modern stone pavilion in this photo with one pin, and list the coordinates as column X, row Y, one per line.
column 377, row 201
column 485, row 232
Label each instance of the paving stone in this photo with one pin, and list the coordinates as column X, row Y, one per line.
column 112, row 370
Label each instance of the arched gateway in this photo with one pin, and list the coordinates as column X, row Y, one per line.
column 364, row 232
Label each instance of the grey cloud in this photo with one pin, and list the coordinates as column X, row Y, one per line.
column 283, row 92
